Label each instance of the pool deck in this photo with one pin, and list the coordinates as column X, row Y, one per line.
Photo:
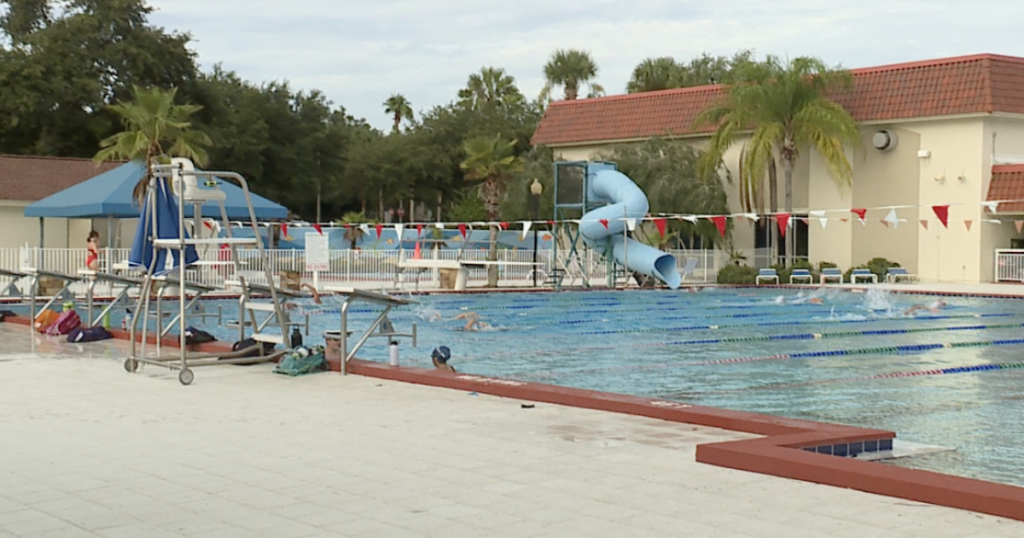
column 89, row 450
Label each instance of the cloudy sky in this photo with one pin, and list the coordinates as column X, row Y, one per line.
column 359, row 53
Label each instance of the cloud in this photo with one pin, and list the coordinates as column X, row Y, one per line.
column 359, row 53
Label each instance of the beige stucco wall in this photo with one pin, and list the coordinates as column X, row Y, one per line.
column 58, row 233
column 1008, row 146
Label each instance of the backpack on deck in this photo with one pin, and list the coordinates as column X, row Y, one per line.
column 90, row 334
column 65, row 323
column 197, row 336
column 301, row 361
column 44, row 319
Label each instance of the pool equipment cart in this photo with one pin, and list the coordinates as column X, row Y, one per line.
column 607, row 204
column 386, row 329
column 163, row 249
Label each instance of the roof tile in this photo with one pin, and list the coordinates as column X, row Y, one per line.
column 27, row 178
column 1007, row 184
column 969, row 84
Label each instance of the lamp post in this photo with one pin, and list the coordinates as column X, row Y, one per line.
column 535, row 191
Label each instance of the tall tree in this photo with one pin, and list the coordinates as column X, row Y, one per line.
column 784, row 108
column 490, row 88
column 654, row 74
column 570, row 69
column 155, row 129
column 400, row 109
column 492, row 161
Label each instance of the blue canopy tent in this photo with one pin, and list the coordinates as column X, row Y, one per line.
column 109, row 195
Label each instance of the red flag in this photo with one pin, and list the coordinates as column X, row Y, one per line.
column 284, row 229
column 347, row 226
column 660, row 225
column 1019, row 224
column 720, row 224
column 844, row 220
column 551, row 223
column 860, row 212
column 968, row 224
column 503, row 225
column 924, row 223
column 942, row 211
column 805, row 220
column 604, row 222
column 380, row 228
column 462, row 230
column 783, row 220
column 419, row 230
column 884, row 222
column 318, row 229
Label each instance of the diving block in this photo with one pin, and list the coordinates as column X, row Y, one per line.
column 93, row 277
column 11, row 289
column 462, row 266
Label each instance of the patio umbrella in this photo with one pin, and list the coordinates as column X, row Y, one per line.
column 167, row 227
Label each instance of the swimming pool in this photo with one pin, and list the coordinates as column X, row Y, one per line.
column 952, row 378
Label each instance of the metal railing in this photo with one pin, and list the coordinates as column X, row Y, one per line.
column 373, row 267
column 1009, row 265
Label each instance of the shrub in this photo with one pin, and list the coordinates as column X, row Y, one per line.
column 878, row 266
column 785, row 272
column 737, row 274
column 824, row 265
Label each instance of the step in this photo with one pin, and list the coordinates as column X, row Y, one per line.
column 264, row 337
column 261, row 307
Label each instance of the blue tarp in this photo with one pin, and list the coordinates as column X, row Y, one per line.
column 109, row 195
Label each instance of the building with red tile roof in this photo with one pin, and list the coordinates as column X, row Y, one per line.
column 955, row 132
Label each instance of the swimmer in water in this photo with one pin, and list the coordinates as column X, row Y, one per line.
column 316, row 294
column 440, row 358
column 472, row 320
column 932, row 307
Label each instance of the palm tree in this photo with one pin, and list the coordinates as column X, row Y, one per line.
column 654, row 74
column 155, row 130
column 784, row 108
column 493, row 161
column 490, row 87
column 400, row 108
column 570, row 69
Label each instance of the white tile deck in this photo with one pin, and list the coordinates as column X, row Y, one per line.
column 89, row 450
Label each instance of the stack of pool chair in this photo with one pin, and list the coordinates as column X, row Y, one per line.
column 894, row 274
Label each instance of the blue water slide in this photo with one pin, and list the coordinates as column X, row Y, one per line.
column 625, row 200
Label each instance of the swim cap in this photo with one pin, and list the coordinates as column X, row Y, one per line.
column 441, row 354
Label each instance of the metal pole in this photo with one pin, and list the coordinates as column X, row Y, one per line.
column 535, row 257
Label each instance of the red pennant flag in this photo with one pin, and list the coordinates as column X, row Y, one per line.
column 284, row 229
column 380, row 228
column 419, row 230
column 968, row 224
column 551, row 223
column 805, row 220
column 660, row 225
column 462, row 230
column 884, row 222
column 503, row 225
column 720, row 224
column 924, row 224
column 347, row 226
column 942, row 211
column 844, row 220
column 860, row 212
column 604, row 222
column 1019, row 224
column 783, row 220
column 318, row 229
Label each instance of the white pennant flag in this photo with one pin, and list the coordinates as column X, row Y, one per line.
column 994, row 221
column 817, row 213
column 752, row 216
column 365, row 228
column 526, row 228
column 690, row 218
column 631, row 224
column 824, row 222
column 991, row 206
column 892, row 219
column 399, row 228
column 439, row 225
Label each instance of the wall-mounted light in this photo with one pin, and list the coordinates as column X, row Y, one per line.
column 962, row 177
column 940, row 178
column 923, row 153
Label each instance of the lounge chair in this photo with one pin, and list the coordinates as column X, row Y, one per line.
column 831, row 273
column 687, row 270
column 802, row 275
column 863, row 274
column 766, row 274
column 894, row 274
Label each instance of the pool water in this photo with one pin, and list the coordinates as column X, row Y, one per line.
column 855, row 358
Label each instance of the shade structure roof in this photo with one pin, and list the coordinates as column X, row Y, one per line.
column 110, row 195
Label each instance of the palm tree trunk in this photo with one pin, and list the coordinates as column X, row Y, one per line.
column 787, row 167
column 492, row 255
column 571, row 92
column 398, row 121
column 773, row 200
column 380, row 204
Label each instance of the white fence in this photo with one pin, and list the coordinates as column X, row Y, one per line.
column 368, row 267
column 1009, row 265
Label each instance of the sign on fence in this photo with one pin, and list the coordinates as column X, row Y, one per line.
column 318, row 256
